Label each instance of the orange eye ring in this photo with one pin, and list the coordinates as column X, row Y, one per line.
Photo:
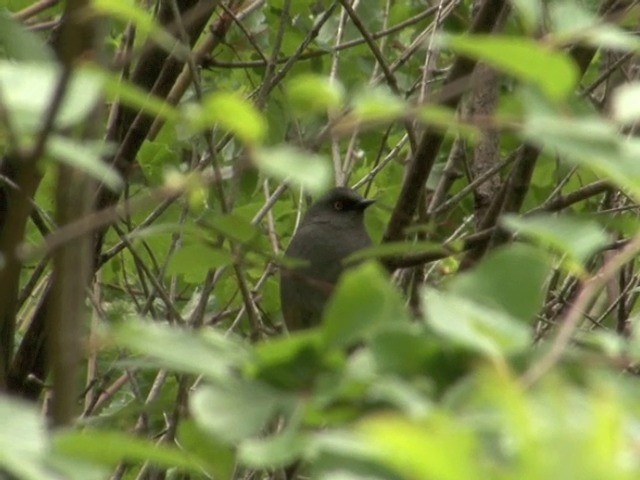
column 338, row 205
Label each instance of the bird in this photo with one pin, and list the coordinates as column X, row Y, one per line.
column 332, row 229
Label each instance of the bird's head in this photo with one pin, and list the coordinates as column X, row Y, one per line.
column 339, row 204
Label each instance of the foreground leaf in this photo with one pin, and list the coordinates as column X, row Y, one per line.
column 110, row 448
column 551, row 70
column 309, row 171
column 364, row 300
column 490, row 332
column 235, row 410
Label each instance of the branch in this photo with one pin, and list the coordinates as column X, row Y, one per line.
column 431, row 140
column 569, row 324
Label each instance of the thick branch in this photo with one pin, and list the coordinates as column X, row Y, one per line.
column 431, row 140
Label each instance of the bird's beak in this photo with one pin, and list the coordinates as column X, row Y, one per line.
column 365, row 202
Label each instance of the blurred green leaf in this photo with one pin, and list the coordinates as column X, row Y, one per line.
column 377, row 104
column 570, row 18
column 236, row 409
column 552, row 71
column 625, row 104
column 27, row 111
column 392, row 249
column 587, row 137
column 447, row 119
column 579, row 239
column 70, row 468
column 310, row 93
column 363, row 301
column 572, row 22
column 128, row 11
column 86, row 157
column 155, row 159
column 23, row 441
column 529, row 11
column 234, row 227
column 310, row 171
column 487, row 331
column 193, row 261
column 110, row 448
column 400, row 349
column 590, row 142
column 436, row 448
column 162, row 230
column 125, row 92
column 207, row 352
column 275, row 451
column 342, row 455
column 292, row 362
column 402, row 395
column 408, row 350
column 215, row 458
column 20, row 44
column 511, row 278
column 231, row 112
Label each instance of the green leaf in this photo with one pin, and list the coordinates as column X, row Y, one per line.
column 551, row 70
column 511, row 279
column 568, row 18
column 573, row 23
column 125, row 92
column 438, row 448
column 275, row 451
column 215, row 458
column 378, row 104
column 207, row 352
column 393, row 249
column 606, row 35
column 474, row 326
column 193, row 261
column 447, row 119
column 27, row 111
column 363, row 301
column 110, row 448
column 235, row 410
column 233, row 113
column 401, row 394
column 162, row 230
column 234, row 227
column 529, row 11
column 23, row 441
column 625, row 104
column 400, row 350
column 312, row 172
column 589, row 142
column 310, row 93
column 413, row 350
column 128, row 12
column 292, row 362
column 155, row 159
column 589, row 138
column 343, row 455
column 20, row 44
column 86, row 157
column 579, row 239
column 74, row 469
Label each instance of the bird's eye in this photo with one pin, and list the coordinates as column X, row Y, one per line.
column 338, row 205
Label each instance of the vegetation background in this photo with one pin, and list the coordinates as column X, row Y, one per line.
column 157, row 156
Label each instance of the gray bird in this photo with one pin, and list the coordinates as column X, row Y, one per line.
column 332, row 229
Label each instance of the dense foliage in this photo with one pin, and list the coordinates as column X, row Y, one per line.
column 157, row 157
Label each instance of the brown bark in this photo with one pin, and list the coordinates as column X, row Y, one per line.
column 431, row 140
column 155, row 71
